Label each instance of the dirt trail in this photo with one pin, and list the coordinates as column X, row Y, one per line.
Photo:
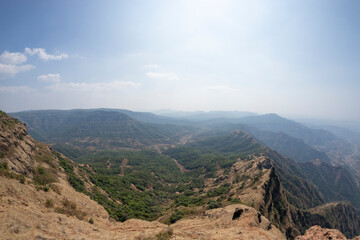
column 108, row 164
column 181, row 167
column 123, row 166
column 185, row 139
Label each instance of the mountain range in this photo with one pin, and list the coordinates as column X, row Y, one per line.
column 145, row 166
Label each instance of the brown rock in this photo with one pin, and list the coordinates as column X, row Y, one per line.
column 319, row 233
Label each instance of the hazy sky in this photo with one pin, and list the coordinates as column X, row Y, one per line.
column 290, row 57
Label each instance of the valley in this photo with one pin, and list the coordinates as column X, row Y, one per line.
column 181, row 175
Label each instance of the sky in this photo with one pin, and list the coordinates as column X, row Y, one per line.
column 295, row 58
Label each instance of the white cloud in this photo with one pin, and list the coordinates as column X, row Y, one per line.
column 41, row 52
column 51, row 77
column 12, row 57
column 150, row 66
column 83, row 86
column 222, row 88
column 169, row 76
column 15, row 89
column 10, row 70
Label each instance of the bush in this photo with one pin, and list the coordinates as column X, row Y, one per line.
column 176, row 216
column 91, row 221
column 22, row 179
column 41, row 170
column 70, row 209
column 165, row 235
column 4, row 165
column 49, row 203
column 213, row 204
column 55, row 188
column 42, row 177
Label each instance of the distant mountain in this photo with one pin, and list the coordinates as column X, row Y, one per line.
column 320, row 139
column 291, row 147
column 100, row 129
column 166, row 183
column 281, row 142
column 204, row 116
column 338, row 131
column 148, row 117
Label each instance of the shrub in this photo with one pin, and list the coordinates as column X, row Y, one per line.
column 213, row 204
column 49, row 203
column 55, row 188
column 91, row 221
column 41, row 170
column 43, row 177
column 70, row 209
column 22, row 179
column 176, row 216
column 165, row 235
column 5, row 165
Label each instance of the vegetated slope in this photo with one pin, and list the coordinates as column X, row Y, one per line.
column 37, row 201
column 228, row 169
column 340, row 215
column 37, row 195
column 100, row 129
column 322, row 140
column 335, row 183
column 291, row 147
column 258, row 176
column 149, row 117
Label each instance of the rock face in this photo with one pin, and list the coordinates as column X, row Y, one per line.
column 232, row 222
column 38, row 202
column 16, row 146
column 25, row 214
column 43, row 205
column 319, row 233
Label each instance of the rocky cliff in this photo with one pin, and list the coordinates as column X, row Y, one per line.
column 40, row 198
column 37, row 201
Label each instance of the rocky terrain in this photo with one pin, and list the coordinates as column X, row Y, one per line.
column 319, row 233
column 37, row 202
column 42, row 197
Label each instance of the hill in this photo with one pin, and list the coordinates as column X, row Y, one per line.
column 38, row 201
column 183, row 185
column 320, row 139
column 100, row 129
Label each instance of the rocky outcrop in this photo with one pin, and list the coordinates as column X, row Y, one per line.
column 232, row 222
column 319, row 233
column 16, row 146
column 46, row 206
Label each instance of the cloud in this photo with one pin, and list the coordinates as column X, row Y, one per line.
column 84, row 87
column 169, row 76
column 10, row 70
column 222, row 88
column 12, row 57
column 150, row 66
column 15, row 89
column 41, row 52
column 51, row 77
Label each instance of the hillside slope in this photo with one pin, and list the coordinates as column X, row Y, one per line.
column 42, row 192
column 98, row 128
column 38, row 201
